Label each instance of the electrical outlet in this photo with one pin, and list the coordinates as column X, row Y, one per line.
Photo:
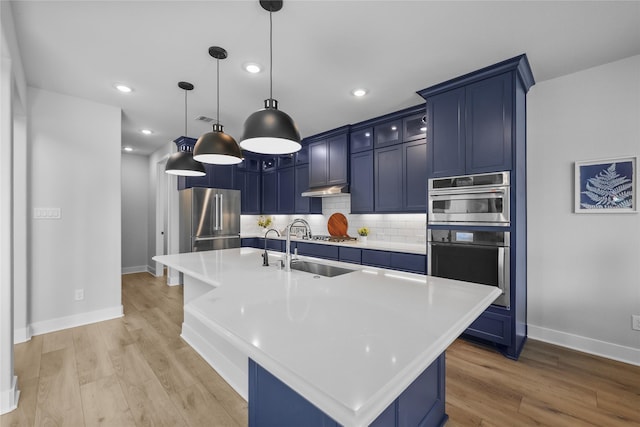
column 635, row 322
column 79, row 294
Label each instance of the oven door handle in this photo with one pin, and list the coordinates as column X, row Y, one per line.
column 468, row 194
column 501, row 270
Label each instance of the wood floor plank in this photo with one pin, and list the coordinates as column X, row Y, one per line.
column 27, row 358
column 58, row 396
column 92, row 356
column 57, row 340
column 115, row 334
column 162, row 360
column 235, row 405
column 150, row 404
column 104, row 404
column 200, row 408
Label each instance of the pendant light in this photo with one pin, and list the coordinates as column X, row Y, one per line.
column 182, row 162
column 216, row 146
column 270, row 131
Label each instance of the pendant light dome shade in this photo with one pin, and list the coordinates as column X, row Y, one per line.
column 270, row 131
column 217, row 147
column 182, row 162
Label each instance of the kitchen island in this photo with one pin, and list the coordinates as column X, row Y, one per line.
column 355, row 349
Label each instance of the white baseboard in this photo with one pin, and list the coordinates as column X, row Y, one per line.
column 586, row 345
column 22, row 334
column 9, row 398
column 80, row 319
column 136, row 269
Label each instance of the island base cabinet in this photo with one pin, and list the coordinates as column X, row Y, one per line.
column 273, row 403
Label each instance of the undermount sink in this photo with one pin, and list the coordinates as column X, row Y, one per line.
column 319, row 269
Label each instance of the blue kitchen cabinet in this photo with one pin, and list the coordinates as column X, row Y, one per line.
column 304, row 205
column 376, row 258
column 274, row 403
column 249, row 242
column 353, row 255
column 217, row 176
column 249, row 185
column 445, row 133
column 362, row 185
column 489, row 111
column 388, row 179
column 272, row 244
column 491, row 326
column 328, row 160
column 414, row 127
column 476, row 123
column 286, row 160
column 414, row 263
column 470, row 128
column 318, row 250
column 269, row 192
column 414, row 185
column 361, row 140
column 388, row 133
column 285, row 190
column 302, row 155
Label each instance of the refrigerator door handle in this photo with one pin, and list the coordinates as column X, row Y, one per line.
column 220, row 211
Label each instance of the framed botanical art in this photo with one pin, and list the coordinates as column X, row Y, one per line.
column 606, row 186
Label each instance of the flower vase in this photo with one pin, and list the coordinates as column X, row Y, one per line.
column 363, row 239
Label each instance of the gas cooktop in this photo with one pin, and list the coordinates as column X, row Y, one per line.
column 334, row 238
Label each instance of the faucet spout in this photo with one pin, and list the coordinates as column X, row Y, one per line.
column 287, row 257
column 265, row 255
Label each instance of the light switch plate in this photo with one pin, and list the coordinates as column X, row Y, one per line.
column 635, row 322
column 46, row 213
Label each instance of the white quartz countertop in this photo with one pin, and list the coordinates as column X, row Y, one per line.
column 414, row 248
column 349, row 344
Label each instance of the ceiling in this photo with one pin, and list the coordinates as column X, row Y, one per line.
column 321, row 51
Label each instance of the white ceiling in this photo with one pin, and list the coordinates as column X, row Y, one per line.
column 322, row 50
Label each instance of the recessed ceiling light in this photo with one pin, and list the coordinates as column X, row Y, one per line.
column 123, row 88
column 128, row 149
column 359, row 92
column 146, row 131
column 252, row 67
column 423, row 128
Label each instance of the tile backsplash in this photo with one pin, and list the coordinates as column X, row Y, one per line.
column 405, row 228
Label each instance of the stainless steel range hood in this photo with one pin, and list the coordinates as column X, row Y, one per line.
column 327, row 191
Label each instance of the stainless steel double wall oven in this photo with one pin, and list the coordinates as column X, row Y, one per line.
column 466, row 239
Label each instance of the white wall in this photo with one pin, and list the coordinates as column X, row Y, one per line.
column 583, row 270
column 135, row 217
column 74, row 147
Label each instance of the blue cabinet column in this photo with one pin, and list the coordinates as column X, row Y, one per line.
column 415, row 176
column 362, row 182
column 388, row 179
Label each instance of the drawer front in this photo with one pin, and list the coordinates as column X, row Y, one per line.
column 414, row 263
column 350, row 255
column 320, row 251
column 376, row 258
column 492, row 327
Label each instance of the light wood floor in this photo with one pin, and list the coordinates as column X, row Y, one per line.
column 136, row 371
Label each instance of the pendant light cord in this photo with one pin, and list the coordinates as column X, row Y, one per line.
column 218, row 91
column 270, row 54
column 185, row 112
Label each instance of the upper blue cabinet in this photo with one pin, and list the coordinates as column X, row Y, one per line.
column 471, row 120
column 329, row 158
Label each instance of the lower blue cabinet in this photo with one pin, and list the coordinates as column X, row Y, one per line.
column 376, row 258
column 353, row 255
column 414, row 263
column 273, row 403
column 491, row 326
column 318, row 250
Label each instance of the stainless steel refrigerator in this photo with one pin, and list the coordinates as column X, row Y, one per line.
column 209, row 219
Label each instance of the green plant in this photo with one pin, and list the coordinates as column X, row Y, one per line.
column 264, row 222
column 363, row 231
